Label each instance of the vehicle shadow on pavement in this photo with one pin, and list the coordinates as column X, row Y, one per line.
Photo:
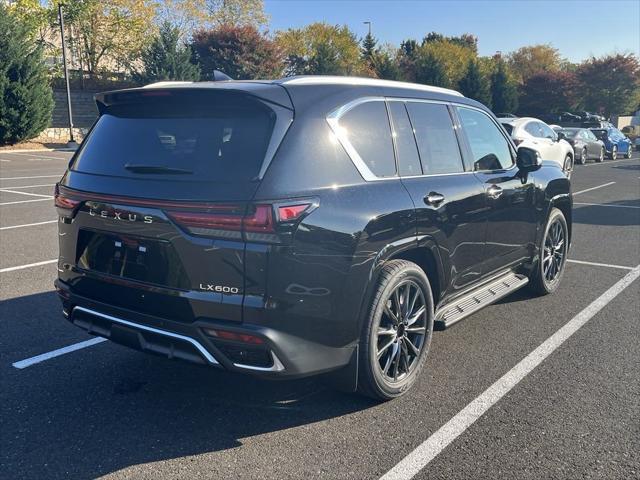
column 627, row 167
column 600, row 215
column 104, row 408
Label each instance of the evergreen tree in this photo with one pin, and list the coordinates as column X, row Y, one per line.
column 474, row 84
column 430, row 71
column 26, row 101
column 504, row 93
column 166, row 59
column 325, row 61
column 368, row 47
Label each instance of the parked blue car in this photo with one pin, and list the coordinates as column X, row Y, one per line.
column 614, row 142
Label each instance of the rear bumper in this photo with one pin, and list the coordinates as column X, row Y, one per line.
column 279, row 355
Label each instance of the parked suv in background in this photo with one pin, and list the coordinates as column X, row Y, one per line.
column 301, row 226
column 614, row 141
column 535, row 134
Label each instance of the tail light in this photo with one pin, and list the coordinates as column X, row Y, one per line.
column 254, row 222
column 64, row 202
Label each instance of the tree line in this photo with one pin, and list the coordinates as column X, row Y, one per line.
column 153, row 40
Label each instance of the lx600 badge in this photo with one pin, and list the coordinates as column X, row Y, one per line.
column 218, row 288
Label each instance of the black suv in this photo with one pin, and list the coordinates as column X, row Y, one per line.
column 301, row 226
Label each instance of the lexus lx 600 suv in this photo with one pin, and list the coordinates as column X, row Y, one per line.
column 301, row 226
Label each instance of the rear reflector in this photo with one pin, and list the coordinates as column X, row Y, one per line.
column 233, row 336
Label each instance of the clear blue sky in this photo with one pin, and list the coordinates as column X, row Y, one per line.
column 578, row 28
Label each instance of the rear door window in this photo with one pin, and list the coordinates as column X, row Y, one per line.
column 180, row 135
column 436, row 138
column 406, row 149
column 367, row 129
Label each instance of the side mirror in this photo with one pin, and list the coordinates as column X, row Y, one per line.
column 528, row 159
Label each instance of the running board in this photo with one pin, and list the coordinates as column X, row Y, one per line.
column 478, row 298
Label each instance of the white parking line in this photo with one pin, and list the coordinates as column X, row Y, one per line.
column 430, row 448
column 29, row 265
column 28, row 225
column 595, row 264
column 31, row 186
column 25, row 193
column 608, row 162
column 23, row 154
column 56, row 353
column 605, row 205
column 593, row 188
column 27, row 201
column 25, row 178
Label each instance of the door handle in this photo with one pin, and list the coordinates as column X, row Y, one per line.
column 434, row 198
column 494, row 191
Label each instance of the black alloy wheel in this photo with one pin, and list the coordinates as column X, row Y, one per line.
column 553, row 255
column 397, row 333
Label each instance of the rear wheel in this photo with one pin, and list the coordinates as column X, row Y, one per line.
column 553, row 255
column 397, row 332
column 600, row 159
column 629, row 152
column 614, row 153
column 568, row 165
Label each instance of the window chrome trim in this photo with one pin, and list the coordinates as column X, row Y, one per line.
column 203, row 351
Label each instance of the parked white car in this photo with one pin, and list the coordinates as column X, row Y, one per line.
column 534, row 133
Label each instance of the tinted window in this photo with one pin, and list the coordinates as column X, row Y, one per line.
column 489, row 148
column 437, row 142
column 181, row 136
column 367, row 129
column 406, row 150
column 533, row 128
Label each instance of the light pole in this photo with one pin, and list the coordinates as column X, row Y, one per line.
column 368, row 23
column 71, row 142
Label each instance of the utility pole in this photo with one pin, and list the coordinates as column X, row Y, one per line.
column 72, row 142
column 368, row 23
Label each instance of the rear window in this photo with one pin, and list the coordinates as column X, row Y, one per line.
column 193, row 136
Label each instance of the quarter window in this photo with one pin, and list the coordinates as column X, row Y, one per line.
column 406, row 150
column 436, row 139
column 489, row 147
column 533, row 128
column 367, row 129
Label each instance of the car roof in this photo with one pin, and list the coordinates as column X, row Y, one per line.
column 516, row 122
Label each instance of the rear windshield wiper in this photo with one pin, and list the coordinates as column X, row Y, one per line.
column 157, row 169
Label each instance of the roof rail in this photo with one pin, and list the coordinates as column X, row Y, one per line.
column 338, row 80
column 165, row 84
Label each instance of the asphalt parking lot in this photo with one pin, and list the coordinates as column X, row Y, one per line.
column 527, row 388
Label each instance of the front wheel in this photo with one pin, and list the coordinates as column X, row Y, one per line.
column 553, row 255
column 614, row 153
column 397, row 332
column 600, row 159
column 583, row 157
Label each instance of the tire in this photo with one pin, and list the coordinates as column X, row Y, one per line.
column 381, row 342
column 600, row 159
column 568, row 165
column 540, row 280
column 614, row 153
column 583, row 157
column 629, row 153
